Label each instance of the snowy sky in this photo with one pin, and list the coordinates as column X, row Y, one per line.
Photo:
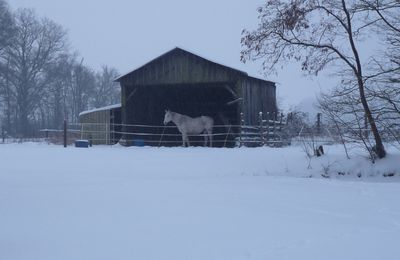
column 126, row 34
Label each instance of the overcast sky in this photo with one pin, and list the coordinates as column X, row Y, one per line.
column 125, row 34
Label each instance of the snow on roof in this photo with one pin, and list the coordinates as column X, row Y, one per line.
column 99, row 109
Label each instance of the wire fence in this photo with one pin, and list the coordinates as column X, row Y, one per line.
column 267, row 133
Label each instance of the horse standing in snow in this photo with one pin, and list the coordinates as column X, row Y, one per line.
column 192, row 126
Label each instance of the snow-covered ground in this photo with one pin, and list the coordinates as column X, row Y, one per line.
column 195, row 203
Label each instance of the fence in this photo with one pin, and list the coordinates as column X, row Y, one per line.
column 273, row 129
column 269, row 132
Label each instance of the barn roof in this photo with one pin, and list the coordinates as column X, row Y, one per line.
column 178, row 50
column 100, row 109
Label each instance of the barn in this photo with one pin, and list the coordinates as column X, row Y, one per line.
column 192, row 85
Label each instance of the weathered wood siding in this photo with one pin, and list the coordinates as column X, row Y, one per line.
column 180, row 67
column 96, row 126
column 100, row 126
column 258, row 96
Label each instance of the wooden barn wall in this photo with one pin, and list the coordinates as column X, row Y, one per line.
column 148, row 103
column 258, row 96
column 180, row 68
column 124, row 92
column 115, row 125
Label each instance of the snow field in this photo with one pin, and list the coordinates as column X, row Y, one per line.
column 195, row 203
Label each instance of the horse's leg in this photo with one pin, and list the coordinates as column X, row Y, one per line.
column 210, row 137
column 187, row 141
column 205, row 139
column 183, row 140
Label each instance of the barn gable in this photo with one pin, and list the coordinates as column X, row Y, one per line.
column 180, row 67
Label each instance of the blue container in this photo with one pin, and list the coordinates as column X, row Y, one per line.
column 82, row 143
column 138, row 142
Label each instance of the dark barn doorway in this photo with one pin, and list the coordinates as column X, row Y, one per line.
column 148, row 105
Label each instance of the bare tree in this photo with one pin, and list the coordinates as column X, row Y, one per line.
column 7, row 33
column 81, row 89
column 59, row 77
column 344, row 112
column 37, row 44
column 41, row 82
column 70, row 90
column 106, row 91
column 297, row 121
column 383, row 85
column 318, row 33
column 7, row 28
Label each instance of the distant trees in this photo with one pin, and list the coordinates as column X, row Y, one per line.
column 41, row 81
column 81, row 89
column 37, row 44
column 57, row 101
column 7, row 28
column 319, row 33
column 106, row 91
column 7, row 32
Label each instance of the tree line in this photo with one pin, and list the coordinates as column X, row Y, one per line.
column 328, row 35
column 42, row 79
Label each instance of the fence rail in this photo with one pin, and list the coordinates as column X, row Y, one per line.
column 271, row 130
column 160, row 135
column 231, row 136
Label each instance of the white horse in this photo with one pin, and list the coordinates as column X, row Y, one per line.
column 188, row 125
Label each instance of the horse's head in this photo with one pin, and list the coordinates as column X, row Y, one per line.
column 167, row 117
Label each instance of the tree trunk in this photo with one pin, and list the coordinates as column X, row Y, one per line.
column 23, row 124
column 379, row 148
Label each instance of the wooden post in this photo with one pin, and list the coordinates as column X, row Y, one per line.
column 241, row 129
column 226, row 137
column 260, row 118
column 65, row 133
column 319, row 123
column 267, row 134
column 274, row 125
column 365, row 126
column 112, row 135
column 280, row 139
column 112, row 126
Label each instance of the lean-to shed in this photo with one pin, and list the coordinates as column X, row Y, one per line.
column 101, row 125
